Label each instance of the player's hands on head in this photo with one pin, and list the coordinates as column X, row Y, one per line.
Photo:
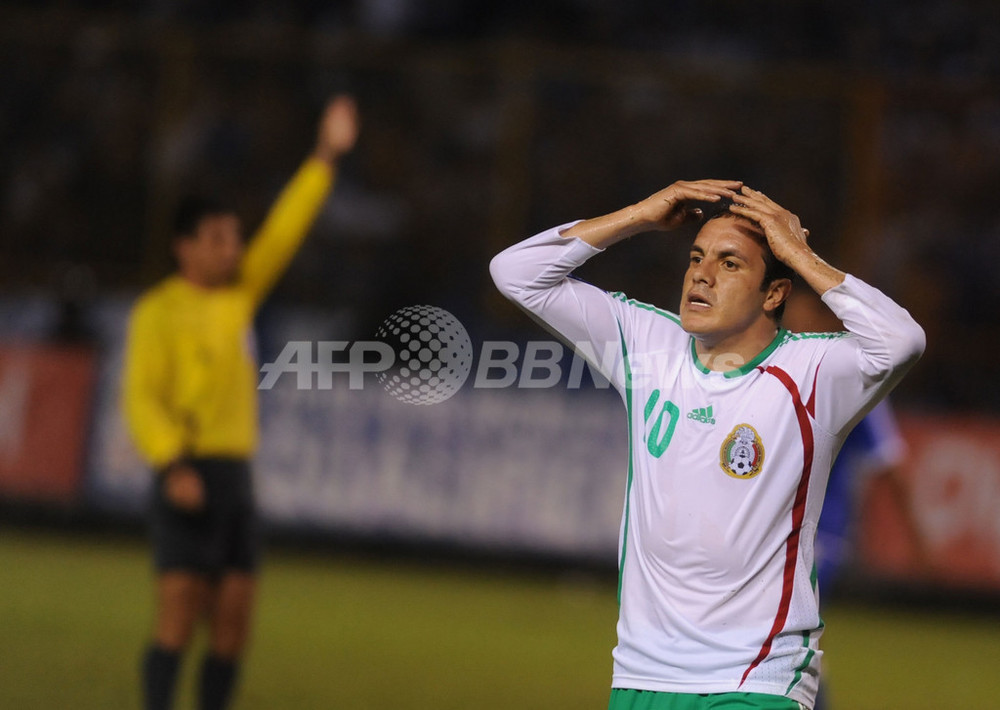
column 338, row 128
column 675, row 205
column 784, row 233
column 184, row 489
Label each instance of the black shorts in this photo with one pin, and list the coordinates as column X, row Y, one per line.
column 223, row 536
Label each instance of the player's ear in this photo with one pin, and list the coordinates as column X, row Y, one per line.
column 776, row 295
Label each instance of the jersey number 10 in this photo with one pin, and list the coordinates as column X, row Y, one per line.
column 658, row 436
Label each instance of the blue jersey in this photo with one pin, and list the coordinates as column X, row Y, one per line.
column 875, row 443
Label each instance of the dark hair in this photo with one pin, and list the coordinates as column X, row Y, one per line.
column 774, row 269
column 191, row 210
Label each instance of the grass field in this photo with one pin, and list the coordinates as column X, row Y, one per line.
column 340, row 632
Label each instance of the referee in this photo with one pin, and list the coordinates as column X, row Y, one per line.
column 190, row 400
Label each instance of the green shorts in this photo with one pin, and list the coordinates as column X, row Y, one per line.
column 627, row 699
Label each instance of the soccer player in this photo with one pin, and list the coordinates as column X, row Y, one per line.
column 733, row 423
column 190, row 401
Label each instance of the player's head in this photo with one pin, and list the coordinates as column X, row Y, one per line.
column 733, row 282
column 207, row 241
column 774, row 269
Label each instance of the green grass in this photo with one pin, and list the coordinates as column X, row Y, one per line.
column 350, row 633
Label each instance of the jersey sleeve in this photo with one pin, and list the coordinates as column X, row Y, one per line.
column 285, row 227
column 158, row 436
column 883, row 343
column 535, row 274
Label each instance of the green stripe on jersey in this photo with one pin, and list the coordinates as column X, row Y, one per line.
column 806, row 636
column 817, row 336
column 628, row 484
column 805, row 662
column 780, row 338
column 645, row 306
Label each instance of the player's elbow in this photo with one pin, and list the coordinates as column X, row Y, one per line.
column 912, row 344
column 894, row 353
column 502, row 271
column 902, row 350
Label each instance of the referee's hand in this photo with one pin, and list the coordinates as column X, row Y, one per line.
column 184, row 489
column 338, row 129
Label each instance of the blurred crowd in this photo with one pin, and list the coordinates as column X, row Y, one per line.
column 482, row 122
column 955, row 38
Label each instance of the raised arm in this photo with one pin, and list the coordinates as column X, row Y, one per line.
column 534, row 273
column 660, row 212
column 885, row 341
column 295, row 210
column 787, row 239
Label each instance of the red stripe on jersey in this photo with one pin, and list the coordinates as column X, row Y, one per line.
column 811, row 404
column 798, row 511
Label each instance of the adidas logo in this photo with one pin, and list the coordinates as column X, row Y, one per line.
column 703, row 415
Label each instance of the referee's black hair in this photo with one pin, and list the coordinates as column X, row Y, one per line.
column 191, row 210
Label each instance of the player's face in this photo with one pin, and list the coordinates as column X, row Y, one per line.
column 722, row 297
column 212, row 256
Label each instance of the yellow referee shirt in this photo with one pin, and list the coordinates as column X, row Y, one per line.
column 190, row 374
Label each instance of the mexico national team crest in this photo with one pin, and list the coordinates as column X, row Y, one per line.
column 742, row 453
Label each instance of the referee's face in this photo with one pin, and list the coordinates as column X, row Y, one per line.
column 211, row 256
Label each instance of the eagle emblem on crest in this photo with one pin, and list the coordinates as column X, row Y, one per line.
column 742, row 452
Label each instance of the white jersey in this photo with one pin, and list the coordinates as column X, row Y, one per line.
column 726, row 471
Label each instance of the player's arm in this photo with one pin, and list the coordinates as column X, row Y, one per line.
column 661, row 212
column 534, row 274
column 885, row 341
column 295, row 210
column 787, row 239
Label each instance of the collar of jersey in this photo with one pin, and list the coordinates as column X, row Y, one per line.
column 739, row 372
